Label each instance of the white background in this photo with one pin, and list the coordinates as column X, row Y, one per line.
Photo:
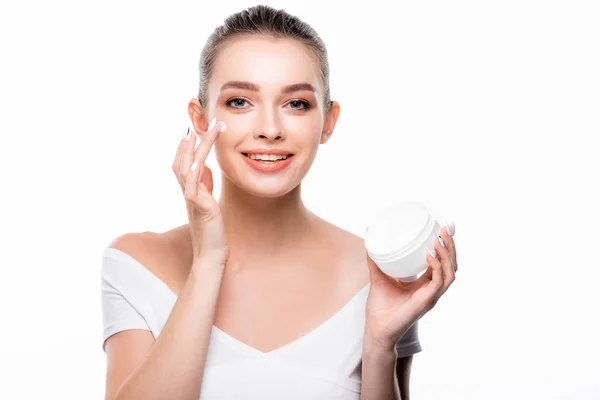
column 487, row 111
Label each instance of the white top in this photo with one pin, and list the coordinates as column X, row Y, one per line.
column 323, row 364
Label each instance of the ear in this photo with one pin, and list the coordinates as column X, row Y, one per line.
column 197, row 115
column 330, row 121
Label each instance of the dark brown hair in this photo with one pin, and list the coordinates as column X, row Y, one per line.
column 262, row 20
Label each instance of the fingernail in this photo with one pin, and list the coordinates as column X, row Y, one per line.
column 194, row 165
column 212, row 124
column 434, row 254
column 221, row 126
column 450, row 230
column 441, row 241
column 189, row 134
column 186, row 133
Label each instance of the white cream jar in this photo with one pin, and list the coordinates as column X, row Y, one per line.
column 398, row 238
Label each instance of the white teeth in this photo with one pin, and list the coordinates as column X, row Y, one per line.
column 267, row 157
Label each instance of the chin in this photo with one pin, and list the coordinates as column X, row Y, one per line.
column 273, row 186
column 270, row 190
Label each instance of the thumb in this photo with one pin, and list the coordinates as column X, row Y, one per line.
column 376, row 275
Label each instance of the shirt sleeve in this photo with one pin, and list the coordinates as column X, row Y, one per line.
column 409, row 343
column 118, row 314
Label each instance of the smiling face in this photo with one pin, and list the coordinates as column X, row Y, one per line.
column 270, row 94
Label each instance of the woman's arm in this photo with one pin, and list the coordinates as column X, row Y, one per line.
column 379, row 380
column 393, row 306
column 385, row 376
column 403, row 367
column 174, row 365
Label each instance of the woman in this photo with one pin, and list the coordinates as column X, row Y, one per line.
column 302, row 311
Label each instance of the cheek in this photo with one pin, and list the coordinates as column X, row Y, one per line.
column 237, row 124
column 226, row 149
column 302, row 123
column 223, row 148
column 305, row 130
column 302, row 131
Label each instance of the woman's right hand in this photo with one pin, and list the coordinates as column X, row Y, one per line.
column 206, row 227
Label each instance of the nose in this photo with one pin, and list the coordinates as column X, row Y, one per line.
column 269, row 126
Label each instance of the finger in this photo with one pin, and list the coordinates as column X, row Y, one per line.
column 191, row 185
column 208, row 139
column 449, row 245
column 437, row 273
column 187, row 157
column 429, row 286
column 447, row 233
column 179, row 153
column 423, row 281
column 447, row 264
column 427, row 277
column 376, row 275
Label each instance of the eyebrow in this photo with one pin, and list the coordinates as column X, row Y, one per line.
column 251, row 86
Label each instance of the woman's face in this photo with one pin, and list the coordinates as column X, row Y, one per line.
column 270, row 94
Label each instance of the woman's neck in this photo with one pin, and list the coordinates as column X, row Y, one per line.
column 260, row 227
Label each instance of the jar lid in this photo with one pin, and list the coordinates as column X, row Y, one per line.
column 397, row 228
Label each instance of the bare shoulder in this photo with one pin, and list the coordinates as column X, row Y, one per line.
column 156, row 252
column 350, row 248
column 143, row 246
column 351, row 242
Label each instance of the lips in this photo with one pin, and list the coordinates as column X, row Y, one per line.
column 268, row 166
column 267, row 151
column 287, row 155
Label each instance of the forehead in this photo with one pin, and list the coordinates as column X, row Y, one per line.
column 269, row 62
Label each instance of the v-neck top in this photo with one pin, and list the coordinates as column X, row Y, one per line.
column 323, row 364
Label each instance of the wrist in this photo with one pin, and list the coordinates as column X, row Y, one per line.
column 206, row 275
column 378, row 358
column 378, row 348
column 207, row 266
column 208, row 263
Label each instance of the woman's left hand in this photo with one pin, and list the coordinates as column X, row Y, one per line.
column 394, row 305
